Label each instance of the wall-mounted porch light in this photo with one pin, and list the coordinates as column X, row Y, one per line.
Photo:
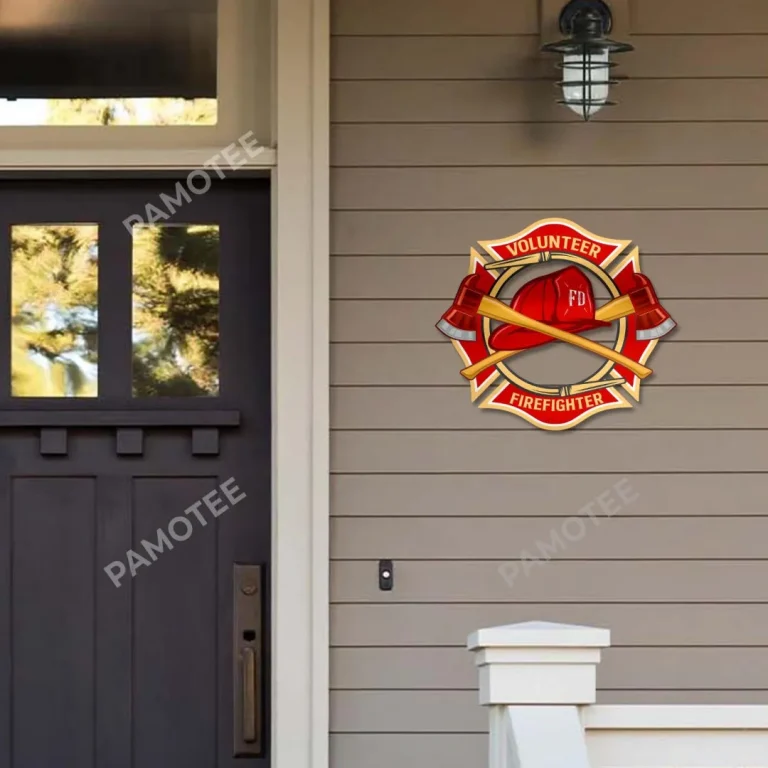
column 586, row 54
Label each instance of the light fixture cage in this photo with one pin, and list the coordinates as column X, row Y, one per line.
column 587, row 24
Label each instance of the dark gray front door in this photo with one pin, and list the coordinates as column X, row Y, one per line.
column 134, row 383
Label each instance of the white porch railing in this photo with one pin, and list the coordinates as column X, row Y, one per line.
column 538, row 681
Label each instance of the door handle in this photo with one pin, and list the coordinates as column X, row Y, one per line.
column 249, row 695
column 247, row 658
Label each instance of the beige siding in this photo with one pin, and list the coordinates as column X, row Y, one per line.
column 453, row 669
column 445, row 132
column 569, row 581
column 424, row 233
column 415, row 495
column 632, row 625
column 502, row 56
column 509, row 144
column 530, row 101
column 701, row 407
column 476, row 538
column 678, row 276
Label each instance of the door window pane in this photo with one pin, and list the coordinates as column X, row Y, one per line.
column 176, row 310
column 54, row 306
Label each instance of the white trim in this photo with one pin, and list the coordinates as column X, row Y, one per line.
column 666, row 717
column 124, row 159
column 300, row 328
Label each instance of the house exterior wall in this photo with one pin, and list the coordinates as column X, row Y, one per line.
column 443, row 136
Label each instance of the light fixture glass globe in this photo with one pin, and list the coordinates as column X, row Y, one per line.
column 585, row 81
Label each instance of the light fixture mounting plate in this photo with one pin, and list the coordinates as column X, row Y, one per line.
column 550, row 12
column 572, row 8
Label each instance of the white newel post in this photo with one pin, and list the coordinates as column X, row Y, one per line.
column 533, row 679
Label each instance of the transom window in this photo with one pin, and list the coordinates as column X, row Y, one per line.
column 108, row 62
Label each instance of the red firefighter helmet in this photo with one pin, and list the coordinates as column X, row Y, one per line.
column 562, row 299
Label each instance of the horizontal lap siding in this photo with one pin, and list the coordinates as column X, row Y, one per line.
column 522, row 451
column 491, row 17
column 634, row 625
column 531, row 188
column 717, row 494
column 559, row 581
column 671, row 408
column 561, row 144
column 425, row 233
column 675, row 276
column 445, row 132
column 508, row 56
column 496, row 538
column 530, row 101
column 453, row 669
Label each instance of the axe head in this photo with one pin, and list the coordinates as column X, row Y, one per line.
column 458, row 322
column 653, row 321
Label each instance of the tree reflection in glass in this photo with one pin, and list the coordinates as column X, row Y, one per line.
column 175, row 310
column 54, row 310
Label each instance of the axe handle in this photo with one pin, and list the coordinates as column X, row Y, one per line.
column 613, row 310
column 497, row 310
column 519, row 261
column 473, row 371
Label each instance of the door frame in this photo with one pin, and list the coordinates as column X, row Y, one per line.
column 301, row 387
column 300, row 372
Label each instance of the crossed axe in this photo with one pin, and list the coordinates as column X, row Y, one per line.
column 457, row 323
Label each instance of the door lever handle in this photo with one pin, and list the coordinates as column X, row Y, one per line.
column 248, row 675
column 249, row 696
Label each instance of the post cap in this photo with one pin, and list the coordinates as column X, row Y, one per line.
column 539, row 634
column 538, row 662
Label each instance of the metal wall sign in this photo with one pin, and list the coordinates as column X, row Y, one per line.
column 531, row 299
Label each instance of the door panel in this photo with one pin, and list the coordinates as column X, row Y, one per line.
column 144, row 675
column 174, row 632
column 52, row 599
